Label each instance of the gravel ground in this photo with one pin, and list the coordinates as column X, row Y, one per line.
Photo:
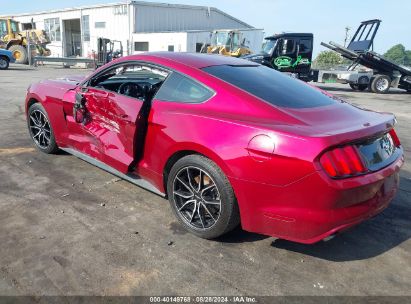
column 68, row 228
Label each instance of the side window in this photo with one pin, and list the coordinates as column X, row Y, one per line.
column 3, row 28
column 14, row 27
column 52, row 28
column 305, row 45
column 179, row 88
column 141, row 46
column 287, row 46
column 130, row 79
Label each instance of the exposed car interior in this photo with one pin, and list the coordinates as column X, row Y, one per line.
column 133, row 80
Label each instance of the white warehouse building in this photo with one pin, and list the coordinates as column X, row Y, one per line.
column 140, row 26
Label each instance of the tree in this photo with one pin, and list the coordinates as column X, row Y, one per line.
column 398, row 54
column 327, row 59
column 408, row 57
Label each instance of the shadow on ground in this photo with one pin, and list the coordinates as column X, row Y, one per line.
column 370, row 239
column 240, row 236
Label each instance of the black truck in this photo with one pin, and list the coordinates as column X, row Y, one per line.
column 287, row 52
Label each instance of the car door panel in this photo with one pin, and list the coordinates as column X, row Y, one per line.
column 114, row 129
column 84, row 137
column 109, row 130
column 122, row 113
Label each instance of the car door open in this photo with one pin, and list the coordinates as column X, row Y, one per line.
column 113, row 108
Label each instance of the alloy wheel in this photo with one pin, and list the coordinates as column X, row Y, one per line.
column 40, row 129
column 382, row 84
column 197, row 198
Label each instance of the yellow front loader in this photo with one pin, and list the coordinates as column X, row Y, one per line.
column 227, row 43
column 13, row 39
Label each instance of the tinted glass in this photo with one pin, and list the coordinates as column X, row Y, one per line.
column 305, row 45
column 287, row 46
column 271, row 86
column 268, row 46
column 182, row 89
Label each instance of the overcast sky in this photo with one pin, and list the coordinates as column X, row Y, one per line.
column 326, row 19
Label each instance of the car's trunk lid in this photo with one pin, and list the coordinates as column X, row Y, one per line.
column 340, row 121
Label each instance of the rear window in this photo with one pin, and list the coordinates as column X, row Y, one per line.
column 274, row 87
column 179, row 88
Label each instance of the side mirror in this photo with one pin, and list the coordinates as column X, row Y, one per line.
column 79, row 98
column 79, row 111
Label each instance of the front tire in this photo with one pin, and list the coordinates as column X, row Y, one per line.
column 201, row 197
column 40, row 129
column 19, row 53
column 4, row 63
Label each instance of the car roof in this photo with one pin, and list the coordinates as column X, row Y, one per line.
column 195, row 60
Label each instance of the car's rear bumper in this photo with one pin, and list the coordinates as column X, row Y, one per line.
column 316, row 206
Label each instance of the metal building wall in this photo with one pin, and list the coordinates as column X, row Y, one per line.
column 161, row 41
column 150, row 17
column 116, row 26
column 141, row 17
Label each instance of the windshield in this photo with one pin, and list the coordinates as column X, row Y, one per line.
column 221, row 38
column 268, row 46
column 274, row 87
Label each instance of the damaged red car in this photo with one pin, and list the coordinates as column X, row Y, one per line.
column 227, row 141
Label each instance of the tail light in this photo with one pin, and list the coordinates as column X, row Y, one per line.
column 368, row 156
column 395, row 138
column 343, row 162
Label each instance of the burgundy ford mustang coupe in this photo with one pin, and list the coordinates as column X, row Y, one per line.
column 227, row 141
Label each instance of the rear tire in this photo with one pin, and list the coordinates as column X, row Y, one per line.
column 40, row 129
column 19, row 53
column 380, row 84
column 4, row 63
column 202, row 198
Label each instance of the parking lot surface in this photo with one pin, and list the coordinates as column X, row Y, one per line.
column 68, row 228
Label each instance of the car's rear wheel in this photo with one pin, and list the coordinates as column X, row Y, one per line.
column 4, row 63
column 40, row 129
column 201, row 197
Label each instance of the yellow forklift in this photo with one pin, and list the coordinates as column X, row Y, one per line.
column 14, row 40
column 108, row 50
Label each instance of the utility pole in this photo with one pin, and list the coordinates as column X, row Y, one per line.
column 347, row 29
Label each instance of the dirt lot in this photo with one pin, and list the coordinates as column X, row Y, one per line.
column 68, row 228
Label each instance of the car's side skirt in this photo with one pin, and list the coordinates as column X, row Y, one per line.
column 132, row 178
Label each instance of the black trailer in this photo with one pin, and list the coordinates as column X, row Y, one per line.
column 386, row 73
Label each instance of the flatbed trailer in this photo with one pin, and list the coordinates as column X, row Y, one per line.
column 386, row 73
